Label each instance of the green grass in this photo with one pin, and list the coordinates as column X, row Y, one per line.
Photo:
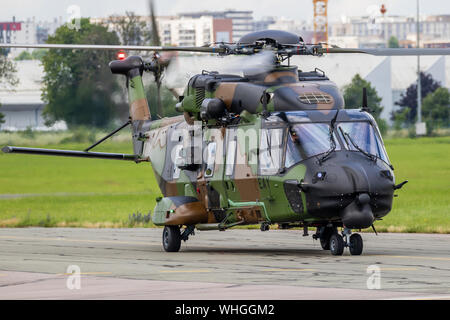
column 423, row 204
column 57, row 191
column 60, row 191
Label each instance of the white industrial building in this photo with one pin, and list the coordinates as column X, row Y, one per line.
column 22, row 108
column 390, row 76
column 437, row 26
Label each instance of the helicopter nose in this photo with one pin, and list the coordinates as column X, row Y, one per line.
column 349, row 187
column 356, row 175
column 358, row 214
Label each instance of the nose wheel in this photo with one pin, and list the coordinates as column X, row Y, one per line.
column 354, row 242
column 336, row 244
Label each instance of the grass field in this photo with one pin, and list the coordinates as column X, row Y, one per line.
column 56, row 191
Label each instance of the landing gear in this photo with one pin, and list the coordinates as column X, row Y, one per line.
column 356, row 244
column 331, row 240
column 336, row 244
column 325, row 234
column 171, row 238
column 265, row 226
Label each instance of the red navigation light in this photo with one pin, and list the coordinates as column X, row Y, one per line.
column 121, row 55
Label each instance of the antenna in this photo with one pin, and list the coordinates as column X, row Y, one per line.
column 365, row 107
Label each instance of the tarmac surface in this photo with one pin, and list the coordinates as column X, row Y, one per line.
column 37, row 263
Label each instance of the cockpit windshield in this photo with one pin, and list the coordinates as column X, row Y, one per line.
column 362, row 135
column 307, row 140
column 311, row 139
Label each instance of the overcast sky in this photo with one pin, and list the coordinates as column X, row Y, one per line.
column 296, row 9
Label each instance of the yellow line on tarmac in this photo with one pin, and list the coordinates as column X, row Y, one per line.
column 83, row 273
column 143, row 243
column 289, row 269
column 398, row 269
column 413, row 257
column 78, row 240
column 184, row 271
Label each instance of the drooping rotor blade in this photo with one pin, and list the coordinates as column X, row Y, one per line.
column 392, row 51
column 113, row 47
column 155, row 32
column 155, row 41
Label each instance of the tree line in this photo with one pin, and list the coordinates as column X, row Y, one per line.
column 435, row 103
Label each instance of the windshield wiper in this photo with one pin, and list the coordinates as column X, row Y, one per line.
column 333, row 143
column 347, row 136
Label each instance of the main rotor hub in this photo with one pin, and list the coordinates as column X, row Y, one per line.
column 276, row 37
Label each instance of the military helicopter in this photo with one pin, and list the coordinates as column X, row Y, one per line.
column 270, row 146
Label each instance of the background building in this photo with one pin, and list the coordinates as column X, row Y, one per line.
column 376, row 31
column 186, row 31
column 242, row 21
column 23, row 107
column 183, row 30
column 27, row 31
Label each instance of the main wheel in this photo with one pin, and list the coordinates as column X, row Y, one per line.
column 171, row 238
column 325, row 238
column 356, row 244
column 336, row 244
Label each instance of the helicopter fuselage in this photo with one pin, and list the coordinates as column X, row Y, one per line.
column 274, row 151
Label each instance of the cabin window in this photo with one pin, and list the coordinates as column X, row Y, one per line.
column 193, row 141
column 231, row 152
column 179, row 160
column 270, row 151
column 210, row 159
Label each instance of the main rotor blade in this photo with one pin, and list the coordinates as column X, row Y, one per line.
column 392, row 51
column 113, row 47
column 155, row 32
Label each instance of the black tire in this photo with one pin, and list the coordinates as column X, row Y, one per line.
column 325, row 238
column 356, row 244
column 336, row 244
column 325, row 243
column 171, row 238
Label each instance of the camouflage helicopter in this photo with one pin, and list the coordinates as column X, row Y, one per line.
column 270, row 146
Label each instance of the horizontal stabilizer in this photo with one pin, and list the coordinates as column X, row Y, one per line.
column 70, row 153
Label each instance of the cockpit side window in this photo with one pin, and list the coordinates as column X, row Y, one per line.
column 361, row 134
column 292, row 153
